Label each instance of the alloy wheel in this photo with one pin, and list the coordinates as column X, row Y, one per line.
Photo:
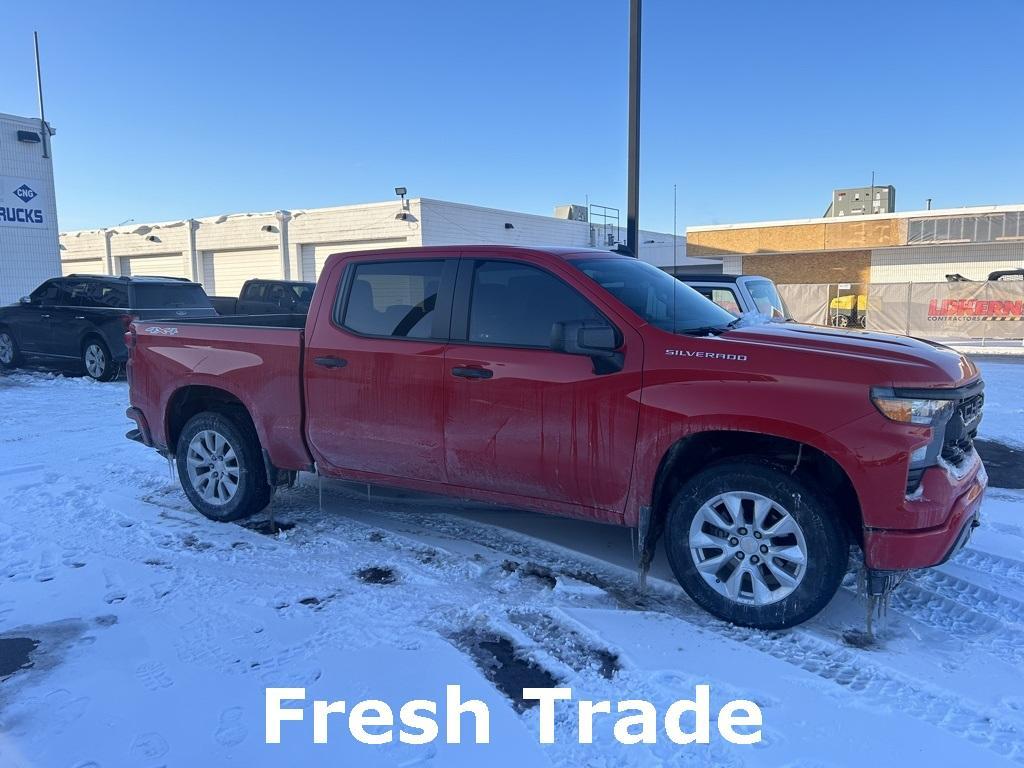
column 95, row 360
column 6, row 349
column 748, row 548
column 213, row 468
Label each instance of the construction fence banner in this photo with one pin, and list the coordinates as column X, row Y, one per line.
column 978, row 310
column 807, row 303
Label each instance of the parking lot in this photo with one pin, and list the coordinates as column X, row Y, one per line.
column 134, row 623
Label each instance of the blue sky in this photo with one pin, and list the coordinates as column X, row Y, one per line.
column 756, row 110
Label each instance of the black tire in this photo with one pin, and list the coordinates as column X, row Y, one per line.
column 825, row 540
column 96, row 360
column 252, row 493
column 14, row 356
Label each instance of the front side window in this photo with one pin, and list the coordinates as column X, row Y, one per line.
column 396, row 299
column 48, row 293
column 655, row 295
column 516, row 305
column 723, row 297
column 766, row 299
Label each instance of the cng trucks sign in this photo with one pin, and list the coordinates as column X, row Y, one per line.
column 22, row 203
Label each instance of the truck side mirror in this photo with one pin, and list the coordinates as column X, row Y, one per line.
column 24, row 300
column 595, row 339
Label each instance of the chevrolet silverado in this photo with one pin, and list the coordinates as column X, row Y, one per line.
column 588, row 384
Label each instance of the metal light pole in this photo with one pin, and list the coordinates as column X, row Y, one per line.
column 44, row 128
column 675, row 238
column 633, row 190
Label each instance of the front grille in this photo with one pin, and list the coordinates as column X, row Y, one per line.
column 962, row 428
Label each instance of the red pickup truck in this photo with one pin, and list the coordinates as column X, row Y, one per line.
column 588, row 384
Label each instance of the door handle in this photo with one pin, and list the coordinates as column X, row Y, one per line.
column 330, row 362
column 45, row 317
column 79, row 317
column 472, row 373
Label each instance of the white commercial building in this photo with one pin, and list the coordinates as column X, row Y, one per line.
column 222, row 252
column 28, row 212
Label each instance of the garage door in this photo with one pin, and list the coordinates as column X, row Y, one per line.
column 169, row 265
column 314, row 255
column 83, row 267
column 224, row 272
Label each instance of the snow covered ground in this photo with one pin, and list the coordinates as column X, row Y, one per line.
column 157, row 630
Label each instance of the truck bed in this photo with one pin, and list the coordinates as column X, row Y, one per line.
column 255, row 359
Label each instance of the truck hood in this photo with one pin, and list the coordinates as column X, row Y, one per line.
column 899, row 360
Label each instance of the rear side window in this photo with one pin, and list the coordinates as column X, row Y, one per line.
column 516, row 305
column 170, row 296
column 78, row 293
column 113, row 295
column 279, row 295
column 96, row 293
column 396, row 299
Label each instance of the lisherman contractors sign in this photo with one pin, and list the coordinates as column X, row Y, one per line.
column 973, row 310
column 980, row 309
column 23, row 203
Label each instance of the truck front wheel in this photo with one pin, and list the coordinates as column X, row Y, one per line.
column 756, row 545
column 9, row 357
column 220, row 467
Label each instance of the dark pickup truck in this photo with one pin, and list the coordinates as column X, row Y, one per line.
column 592, row 385
column 267, row 297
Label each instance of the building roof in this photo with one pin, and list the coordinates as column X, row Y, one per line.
column 933, row 213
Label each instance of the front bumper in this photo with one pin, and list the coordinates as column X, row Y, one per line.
column 955, row 498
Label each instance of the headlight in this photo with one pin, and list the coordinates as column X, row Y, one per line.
column 910, row 410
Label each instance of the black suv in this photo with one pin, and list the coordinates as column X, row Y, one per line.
column 83, row 319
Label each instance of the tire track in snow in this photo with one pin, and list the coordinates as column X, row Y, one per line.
column 829, row 661
column 991, row 565
column 974, row 597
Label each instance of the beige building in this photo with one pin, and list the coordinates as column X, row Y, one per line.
column 222, row 252
column 913, row 246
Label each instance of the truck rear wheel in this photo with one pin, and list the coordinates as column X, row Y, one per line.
column 220, row 467
column 755, row 545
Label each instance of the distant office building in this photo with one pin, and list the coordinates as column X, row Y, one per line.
column 911, row 246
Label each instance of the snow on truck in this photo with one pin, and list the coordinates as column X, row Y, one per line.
column 592, row 385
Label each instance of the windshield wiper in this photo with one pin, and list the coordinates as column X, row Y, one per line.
column 714, row 330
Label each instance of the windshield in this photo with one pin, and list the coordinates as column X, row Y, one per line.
column 170, row 295
column 767, row 300
column 654, row 295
